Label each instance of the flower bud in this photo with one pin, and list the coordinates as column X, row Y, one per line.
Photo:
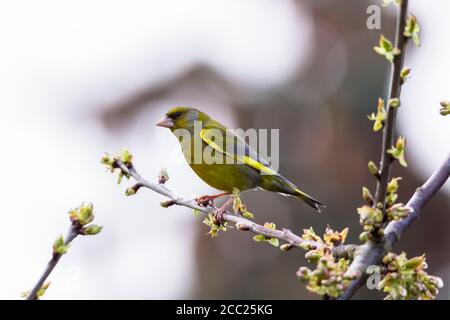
column 373, row 169
column 242, row 226
column 286, row 246
column 91, row 230
column 59, row 246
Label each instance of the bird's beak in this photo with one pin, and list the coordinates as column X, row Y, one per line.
column 165, row 122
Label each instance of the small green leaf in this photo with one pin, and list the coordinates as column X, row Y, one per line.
column 130, row 191
column 270, row 225
column 259, row 238
column 398, row 152
column 386, row 49
column 59, row 247
column 379, row 117
column 107, row 161
column 126, row 157
column 274, row 242
column 412, row 29
column 91, row 230
column 84, row 214
column 367, row 195
column 393, row 185
column 445, row 110
column 405, row 73
column 248, row 215
column 373, row 169
column 215, row 227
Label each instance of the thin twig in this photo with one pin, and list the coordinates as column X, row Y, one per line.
column 371, row 253
column 373, row 248
column 394, row 92
column 73, row 232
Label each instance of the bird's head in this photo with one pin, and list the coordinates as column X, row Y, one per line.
column 181, row 118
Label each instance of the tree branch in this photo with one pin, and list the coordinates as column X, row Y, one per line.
column 373, row 249
column 80, row 224
column 73, row 232
column 371, row 252
column 241, row 223
column 394, row 92
column 423, row 194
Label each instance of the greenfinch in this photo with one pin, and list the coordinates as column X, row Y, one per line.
column 241, row 170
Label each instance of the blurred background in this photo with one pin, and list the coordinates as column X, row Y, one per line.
column 80, row 78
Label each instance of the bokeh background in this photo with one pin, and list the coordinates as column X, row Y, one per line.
column 80, row 78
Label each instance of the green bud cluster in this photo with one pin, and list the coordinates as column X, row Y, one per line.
column 215, row 227
column 110, row 162
column 386, row 49
column 371, row 217
column 83, row 216
column 329, row 276
column 406, row 279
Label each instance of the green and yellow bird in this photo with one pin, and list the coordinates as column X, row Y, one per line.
column 248, row 170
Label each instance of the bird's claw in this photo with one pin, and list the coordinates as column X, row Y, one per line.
column 205, row 201
column 218, row 216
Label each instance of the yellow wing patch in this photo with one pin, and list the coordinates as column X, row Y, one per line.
column 245, row 159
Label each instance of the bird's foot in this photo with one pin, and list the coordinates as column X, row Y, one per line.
column 207, row 200
column 218, row 214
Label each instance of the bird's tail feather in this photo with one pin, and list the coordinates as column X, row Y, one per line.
column 308, row 200
column 280, row 184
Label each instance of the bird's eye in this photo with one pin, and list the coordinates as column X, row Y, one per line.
column 176, row 115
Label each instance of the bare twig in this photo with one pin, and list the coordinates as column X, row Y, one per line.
column 74, row 231
column 371, row 253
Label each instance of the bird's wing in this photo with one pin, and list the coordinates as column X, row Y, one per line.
column 230, row 144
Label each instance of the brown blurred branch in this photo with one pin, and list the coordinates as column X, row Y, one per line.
column 371, row 253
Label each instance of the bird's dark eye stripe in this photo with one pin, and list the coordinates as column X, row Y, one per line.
column 176, row 115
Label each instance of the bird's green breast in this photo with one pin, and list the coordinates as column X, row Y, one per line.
column 226, row 177
column 223, row 176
